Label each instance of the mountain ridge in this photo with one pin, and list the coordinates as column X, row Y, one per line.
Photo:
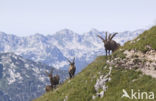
column 64, row 43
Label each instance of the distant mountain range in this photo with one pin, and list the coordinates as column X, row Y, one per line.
column 52, row 49
column 22, row 79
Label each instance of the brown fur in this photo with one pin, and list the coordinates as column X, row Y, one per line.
column 109, row 44
column 49, row 88
column 54, row 80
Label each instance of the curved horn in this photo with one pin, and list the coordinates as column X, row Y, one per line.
column 106, row 36
column 101, row 37
column 74, row 60
column 109, row 37
column 68, row 60
column 47, row 73
column 113, row 36
column 51, row 72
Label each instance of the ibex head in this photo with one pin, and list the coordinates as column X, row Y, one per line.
column 72, row 63
column 50, row 75
column 109, row 38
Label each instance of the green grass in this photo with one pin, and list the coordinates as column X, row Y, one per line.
column 123, row 79
column 147, row 38
column 81, row 87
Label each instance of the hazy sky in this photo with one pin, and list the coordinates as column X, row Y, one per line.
column 25, row 17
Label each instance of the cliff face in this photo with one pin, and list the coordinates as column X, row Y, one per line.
column 131, row 68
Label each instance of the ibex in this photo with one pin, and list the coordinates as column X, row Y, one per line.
column 72, row 68
column 54, row 80
column 109, row 44
column 49, row 88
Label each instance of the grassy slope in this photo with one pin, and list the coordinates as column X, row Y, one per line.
column 81, row 87
column 147, row 38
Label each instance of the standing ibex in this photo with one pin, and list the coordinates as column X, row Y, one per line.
column 109, row 44
column 54, row 80
column 72, row 68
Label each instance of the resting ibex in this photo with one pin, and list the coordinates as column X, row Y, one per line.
column 109, row 44
column 72, row 68
column 54, row 80
column 49, row 88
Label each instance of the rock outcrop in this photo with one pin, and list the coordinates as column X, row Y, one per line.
column 101, row 84
column 145, row 62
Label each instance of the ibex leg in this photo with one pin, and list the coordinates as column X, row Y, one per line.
column 106, row 51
